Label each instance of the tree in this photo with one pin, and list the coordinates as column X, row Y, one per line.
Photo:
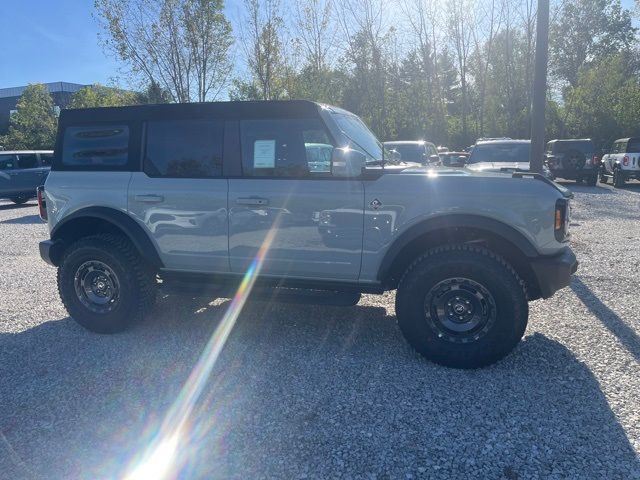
column 33, row 126
column 181, row 45
column 585, row 31
column 100, row 96
column 262, row 42
column 154, row 94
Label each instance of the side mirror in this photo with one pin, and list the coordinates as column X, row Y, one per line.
column 347, row 162
column 395, row 156
column 434, row 159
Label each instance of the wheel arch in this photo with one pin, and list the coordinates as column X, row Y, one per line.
column 93, row 220
column 499, row 237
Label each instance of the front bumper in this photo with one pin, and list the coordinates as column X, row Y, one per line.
column 554, row 272
column 51, row 251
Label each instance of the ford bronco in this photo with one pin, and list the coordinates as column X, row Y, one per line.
column 144, row 195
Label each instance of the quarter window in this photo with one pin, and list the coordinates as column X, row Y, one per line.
column 96, row 146
column 285, row 148
column 184, row 148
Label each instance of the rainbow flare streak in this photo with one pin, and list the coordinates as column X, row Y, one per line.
column 160, row 460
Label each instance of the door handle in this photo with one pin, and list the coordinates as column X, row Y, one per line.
column 149, row 198
column 254, row 201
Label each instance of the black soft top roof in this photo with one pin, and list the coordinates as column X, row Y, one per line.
column 226, row 110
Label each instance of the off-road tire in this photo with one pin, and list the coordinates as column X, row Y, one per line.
column 618, row 178
column 467, row 262
column 137, row 291
column 603, row 178
column 592, row 181
column 19, row 200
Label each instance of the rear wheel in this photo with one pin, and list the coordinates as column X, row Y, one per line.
column 618, row 178
column 461, row 306
column 20, row 199
column 104, row 284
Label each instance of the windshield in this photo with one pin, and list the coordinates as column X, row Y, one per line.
column 361, row 137
column 408, row 152
column 501, row 152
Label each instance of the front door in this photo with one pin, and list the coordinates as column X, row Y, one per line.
column 181, row 197
column 309, row 223
column 29, row 175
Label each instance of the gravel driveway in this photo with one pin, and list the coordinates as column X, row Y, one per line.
column 326, row 392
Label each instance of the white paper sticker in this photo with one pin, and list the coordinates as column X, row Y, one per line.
column 264, row 154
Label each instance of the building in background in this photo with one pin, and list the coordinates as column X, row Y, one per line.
column 61, row 92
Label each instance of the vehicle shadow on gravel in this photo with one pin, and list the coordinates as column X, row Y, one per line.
column 26, row 220
column 610, row 319
column 299, row 391
column 13, row 206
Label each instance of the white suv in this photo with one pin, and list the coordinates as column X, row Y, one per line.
column 622, row 162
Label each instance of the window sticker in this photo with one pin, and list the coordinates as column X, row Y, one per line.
column 264, row 154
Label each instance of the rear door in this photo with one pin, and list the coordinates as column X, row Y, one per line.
column 29, row 174
column 8, row 167
column 308, row 223
column 180, row 196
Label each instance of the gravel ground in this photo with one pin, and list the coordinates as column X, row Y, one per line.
column 325, row 392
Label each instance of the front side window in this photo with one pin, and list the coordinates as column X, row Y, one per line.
column 8, row 162
column 96, row 146
column 285, row 148
column 46, row 159
column 184, row 148
column 27, row 161
column 360, row 136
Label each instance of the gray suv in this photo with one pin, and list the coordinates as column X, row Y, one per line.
column 204, row 193
column 21, row 172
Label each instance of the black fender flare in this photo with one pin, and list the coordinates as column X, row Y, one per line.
column 476, row 222
column 132, row 229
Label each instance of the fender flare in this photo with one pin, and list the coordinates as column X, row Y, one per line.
column 132, row 229
column 476, row 222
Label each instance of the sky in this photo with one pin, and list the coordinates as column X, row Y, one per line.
column 56, row 40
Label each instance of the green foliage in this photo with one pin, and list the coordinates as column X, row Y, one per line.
column 34, row 124
column 100, row 96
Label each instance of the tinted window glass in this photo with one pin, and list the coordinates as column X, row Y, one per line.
column 98, row 145
column 408, row 152
column 633, row 146
column 501, row 152
column 27, row 161
column 581, row 146
column 7, row 162
column 285, row 148
column 46, row 159
column 184, row 148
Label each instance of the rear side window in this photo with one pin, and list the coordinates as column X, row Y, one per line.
column 285, row 148
column 96, row 146
column 8, row 162
column 27, row 161
column 184, row 148
column 633, row 146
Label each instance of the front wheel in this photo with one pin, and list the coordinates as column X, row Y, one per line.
column 461, row 306
column 104, row 284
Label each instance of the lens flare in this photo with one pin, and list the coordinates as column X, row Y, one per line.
column 161, row 460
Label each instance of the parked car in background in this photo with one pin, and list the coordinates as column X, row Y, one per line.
column 22, row 172
column 573, row 159
column 454, row 159
column 502, row 156
column 622, row 162
column 414, row 151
